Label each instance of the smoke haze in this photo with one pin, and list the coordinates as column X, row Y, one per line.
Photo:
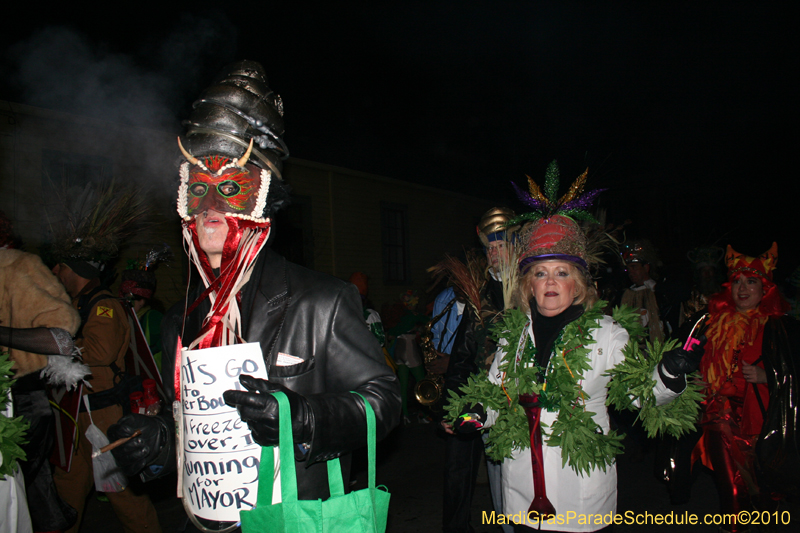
column 63, row 69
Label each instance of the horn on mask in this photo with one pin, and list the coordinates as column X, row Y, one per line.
column 246, row 157
column 192, row 159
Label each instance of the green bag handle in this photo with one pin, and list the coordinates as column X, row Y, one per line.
column 335, row 483
column 266, row 469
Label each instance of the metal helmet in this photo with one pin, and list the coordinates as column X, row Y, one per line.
column 493, row 224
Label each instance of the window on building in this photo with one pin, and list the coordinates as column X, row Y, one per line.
column 394, row 234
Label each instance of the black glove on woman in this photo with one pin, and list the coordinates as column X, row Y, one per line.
column 260, row 410
column 675, row 364
column 680, row 361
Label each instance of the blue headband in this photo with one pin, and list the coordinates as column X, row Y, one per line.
column 524, row 263
column 499, row 236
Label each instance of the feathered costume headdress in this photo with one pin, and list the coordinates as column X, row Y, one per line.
column 139, row 278
column 573, row 204
column 95, row 222
column 467, row 278
column 552, row 232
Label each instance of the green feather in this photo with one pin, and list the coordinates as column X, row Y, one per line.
column 551, row 181
column 579, row 214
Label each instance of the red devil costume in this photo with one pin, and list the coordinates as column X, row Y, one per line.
column 748, row 373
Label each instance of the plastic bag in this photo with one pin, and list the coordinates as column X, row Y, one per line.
column 107, row 475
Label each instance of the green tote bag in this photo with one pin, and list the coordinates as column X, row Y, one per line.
column 363, row 511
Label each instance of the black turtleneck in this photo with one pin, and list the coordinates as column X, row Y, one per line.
column 547, row 328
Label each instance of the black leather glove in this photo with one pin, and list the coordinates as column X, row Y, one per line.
column 470, row 420
column 679, row 361
column 139, row 452
column 260, row 410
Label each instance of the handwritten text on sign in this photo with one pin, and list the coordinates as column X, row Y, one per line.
column 220, row 466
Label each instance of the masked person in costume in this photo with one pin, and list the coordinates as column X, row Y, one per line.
column 707, row 280
column 406, row 351
column 103, row 338
column 546, row 391
column 309, row 325
column 138, row 287
column 87, row 235
column 640, row 263
column 751, row 384
column 473, row 350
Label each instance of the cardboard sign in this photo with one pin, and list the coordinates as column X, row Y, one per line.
column 220, row 459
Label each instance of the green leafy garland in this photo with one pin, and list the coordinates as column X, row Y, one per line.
column 584, row 446
column 12, row 430
column 632, row 385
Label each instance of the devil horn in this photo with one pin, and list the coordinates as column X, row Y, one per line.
column 246, row 157
column 189, row 157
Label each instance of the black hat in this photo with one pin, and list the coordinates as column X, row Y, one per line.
column 237, row 108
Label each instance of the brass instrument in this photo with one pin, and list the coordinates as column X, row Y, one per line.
column 429, row 390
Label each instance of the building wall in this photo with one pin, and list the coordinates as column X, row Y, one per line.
column 337, row 211
column 347, row 223
column 27, row 196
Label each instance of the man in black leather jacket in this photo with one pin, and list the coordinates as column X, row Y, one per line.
column 317, row 318
column 309, row 325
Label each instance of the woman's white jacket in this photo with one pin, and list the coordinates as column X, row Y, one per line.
column 580, row 501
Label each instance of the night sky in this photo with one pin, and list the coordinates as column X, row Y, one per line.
column 686, row 111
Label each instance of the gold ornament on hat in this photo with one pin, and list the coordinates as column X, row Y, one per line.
column 576, row 189
column 554, row 231
column 573, row 204
column 535, row 191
